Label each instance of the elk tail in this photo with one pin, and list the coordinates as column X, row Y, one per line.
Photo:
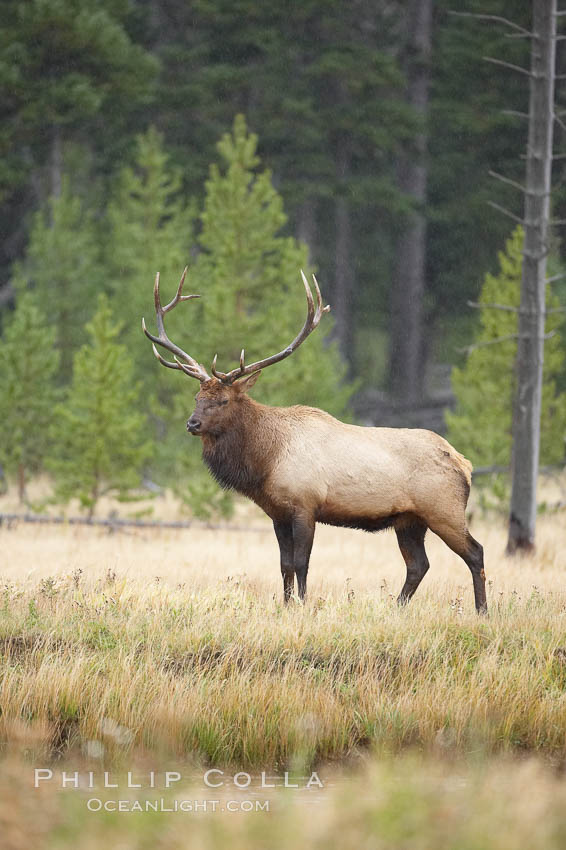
column 465, row 466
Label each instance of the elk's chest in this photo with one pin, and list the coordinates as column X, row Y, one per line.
column 232, row 466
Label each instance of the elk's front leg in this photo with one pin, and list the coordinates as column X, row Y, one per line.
column 303, row 536
column 284, row 534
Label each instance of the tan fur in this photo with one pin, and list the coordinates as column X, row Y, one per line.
column 332, row 469
column 339, row 473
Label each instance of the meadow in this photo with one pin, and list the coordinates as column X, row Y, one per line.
column 142, row 648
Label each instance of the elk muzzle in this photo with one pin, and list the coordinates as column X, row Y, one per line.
column 193, row 425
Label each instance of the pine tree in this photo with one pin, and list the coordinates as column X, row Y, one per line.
column 149, row 230
column 98, row 431
column 68, row 67
column 324, row 84
column 249, row 277
column 484, row 387
column 253, row 298
column 62, row 268
column 28, row 368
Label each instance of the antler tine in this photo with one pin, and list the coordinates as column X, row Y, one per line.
column 194, row 369
column 310, row 302
column 314, row 316
column 320, row 308
column 162, row 360
column 220, row 375
column 236, row 372
column 193, row 373
column 188, row 370
column 178, row 295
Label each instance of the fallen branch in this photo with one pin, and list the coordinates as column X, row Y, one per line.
column 115, row 524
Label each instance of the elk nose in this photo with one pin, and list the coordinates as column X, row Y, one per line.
column 193, row 425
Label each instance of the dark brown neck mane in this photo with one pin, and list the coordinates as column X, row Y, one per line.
column 241, row 456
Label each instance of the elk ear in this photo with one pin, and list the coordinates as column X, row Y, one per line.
column 247, row 383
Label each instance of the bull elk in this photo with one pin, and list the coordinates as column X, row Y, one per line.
column 302, row 466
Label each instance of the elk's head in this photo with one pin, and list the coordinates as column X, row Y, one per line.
column 217, row 405
column 220, row 396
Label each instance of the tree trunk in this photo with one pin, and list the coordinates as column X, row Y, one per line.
column 406, row 360
column 530, row 345
column 56, row 163
column 306, row 225
column 344, row 282
column 94, row 496
column 21, row 482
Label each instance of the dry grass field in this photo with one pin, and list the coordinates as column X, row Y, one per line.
column 143, row 648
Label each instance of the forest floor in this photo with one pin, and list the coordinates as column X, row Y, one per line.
column 146, row 651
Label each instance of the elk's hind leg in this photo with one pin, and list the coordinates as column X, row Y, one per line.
column 284, row 534
column 473, row 556
column 461, row 541
column 411, row 543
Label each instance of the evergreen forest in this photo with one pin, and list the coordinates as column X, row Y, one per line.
column 247, row 141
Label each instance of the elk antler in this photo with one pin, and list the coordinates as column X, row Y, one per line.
column 314, row 316
column 183, row 360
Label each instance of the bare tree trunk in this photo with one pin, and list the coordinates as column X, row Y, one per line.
column 306, row 225
column 21, row 483
column 344, row 282
column 406, row 360
column 56, row 164
column 530, row 345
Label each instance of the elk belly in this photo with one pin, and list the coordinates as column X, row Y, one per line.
column 345, row 476
column 363, row 498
